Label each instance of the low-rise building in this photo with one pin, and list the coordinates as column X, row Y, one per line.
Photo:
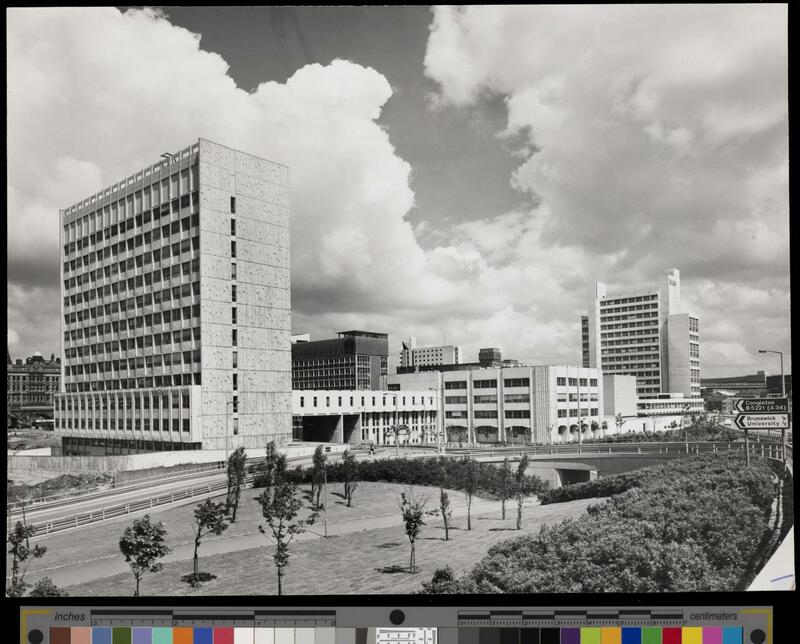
column 357, row 417
column 670, row 404
column 31, row 386
column 517, row 404
column 352, row 360
column 411, row 355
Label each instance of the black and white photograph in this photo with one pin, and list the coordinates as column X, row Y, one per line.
column 417, row 300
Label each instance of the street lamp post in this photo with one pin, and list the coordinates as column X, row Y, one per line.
column 325, row 506
column 783, row 395
column 685, row 426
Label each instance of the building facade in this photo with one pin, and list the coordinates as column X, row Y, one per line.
column 176, row 308
column 411, row 354
column 32, row 386
column 353, row 360
column 646, row 335
column 519, row 404
column 357, row 417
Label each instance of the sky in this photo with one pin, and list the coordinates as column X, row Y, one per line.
column 460, row 175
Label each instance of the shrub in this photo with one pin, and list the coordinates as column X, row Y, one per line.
column 689, row 525
column 434, row 472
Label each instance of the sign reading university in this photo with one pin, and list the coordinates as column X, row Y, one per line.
column 762, row 413
column 762, row 405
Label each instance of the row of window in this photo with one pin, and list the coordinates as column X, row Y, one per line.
column 391, row 401
column 132, row 204
column 576, row 382
column 487, row 384
column 490, row 413
column 652, row 324
column 627, row 300
column 574, row 413
column 140, row 238
column 139, row 382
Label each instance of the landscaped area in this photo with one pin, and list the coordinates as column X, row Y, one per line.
column 365, row 560
column 697, row 524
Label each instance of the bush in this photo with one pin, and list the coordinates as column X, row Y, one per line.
column 432, row 472
column 691, row 525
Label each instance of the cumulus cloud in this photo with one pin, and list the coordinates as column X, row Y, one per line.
column 627, row 146
column 91, row 99
column 656, row 136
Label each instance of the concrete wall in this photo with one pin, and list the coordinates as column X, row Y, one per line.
column 619, row 395
column 263, row 306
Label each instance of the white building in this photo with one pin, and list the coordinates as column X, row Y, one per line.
column 175, row 312
column 520, row 404
column 646, row 335
column 365, row 416
column 411, row 355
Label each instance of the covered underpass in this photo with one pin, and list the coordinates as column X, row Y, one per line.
column 329, row 428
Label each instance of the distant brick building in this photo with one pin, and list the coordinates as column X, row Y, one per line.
column 31, row 385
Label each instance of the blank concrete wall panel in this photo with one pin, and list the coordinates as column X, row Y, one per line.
column 264, row 402
column 215, row 154
column 214, row 401
column 274, row 214
column 263, row 339
column 266, row 381
column 215, row 244
column 217, row 334
column 250, row 315
column 216, row 357
column 217, row 177
column 261, row 275
column 263, row 359
column 215, row 311
column 262, row 232
column 249, row 294
column 273, row 423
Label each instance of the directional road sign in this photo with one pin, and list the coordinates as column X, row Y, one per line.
column 761, row 405
column 762, row 421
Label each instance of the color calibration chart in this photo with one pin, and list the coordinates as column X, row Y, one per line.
column 399, row 625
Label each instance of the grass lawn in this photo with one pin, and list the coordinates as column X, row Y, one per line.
column 102, row 539
column 367, row 561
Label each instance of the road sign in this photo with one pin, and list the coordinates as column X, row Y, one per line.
column 761, row 405
column 762, row 421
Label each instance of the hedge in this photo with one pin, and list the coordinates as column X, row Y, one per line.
column 697, row 524
column 434, row 472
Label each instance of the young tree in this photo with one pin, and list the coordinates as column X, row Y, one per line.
column 318, row 462
column 21, row 557
column 280, row 508
column 522, row 490
column 447, row 512
column 237, row 472
column 350, row 470
column 209, row 517
column 142, row 545
column 504, row 485
column 604, row 427
column 470, row 483
column 413, row 511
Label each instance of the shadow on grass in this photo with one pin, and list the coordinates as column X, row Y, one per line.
column 194, row 580
column 502, row 529
column 339, row 494
column 391, row 570
column 389, row 544
column 431, row 538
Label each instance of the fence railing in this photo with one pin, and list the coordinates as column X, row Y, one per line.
column 100, row 490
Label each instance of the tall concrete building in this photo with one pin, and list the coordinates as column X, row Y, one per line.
column 647, row 335
column 411, row 355
column 176, row 308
